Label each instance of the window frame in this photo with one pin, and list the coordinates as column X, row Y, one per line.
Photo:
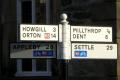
column 19, row 71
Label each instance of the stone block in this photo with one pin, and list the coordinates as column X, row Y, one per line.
column 118, row 68
column 118, row 28
column 118, row 10
column 118, row 78
column 118, row 42
column 118, row 18
column 118, row 0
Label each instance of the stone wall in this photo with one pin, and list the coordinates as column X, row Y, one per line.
column 118, row 38
column 96, row 12
column 9, row 27
column 92, row 12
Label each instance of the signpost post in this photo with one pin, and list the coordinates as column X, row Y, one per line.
column 66, row 43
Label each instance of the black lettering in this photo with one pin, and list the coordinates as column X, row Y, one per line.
column 74, row 30
column 34, row 46
column 24, row 28
column 51, row 46
column 33, row 28
column 28, row 34
column 86, row 47
column 79, row 46
column 53, row 35
column 24, row 35
column 22, row 46
column 109, row 47
column 54, row 29
column 82, row 36
column 77, row 36
column 106, row 36
column 74, row 36
column 75, row 47
column 92, row 47
column 38, row 46
column 97, row 30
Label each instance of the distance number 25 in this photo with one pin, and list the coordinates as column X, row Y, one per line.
column 109, row 47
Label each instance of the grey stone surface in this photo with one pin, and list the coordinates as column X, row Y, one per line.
column 92, row 68
column 90, row 12
column 118, row 37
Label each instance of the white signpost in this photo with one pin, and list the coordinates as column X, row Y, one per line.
column 65, row 35
column 32, row 50
column 38, row 32
column 91, row 34
column 94, row 51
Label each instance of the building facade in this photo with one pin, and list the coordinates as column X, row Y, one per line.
column 118, row 38
column 80, row 12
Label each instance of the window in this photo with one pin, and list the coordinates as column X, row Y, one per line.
column 26, row 65
column 40, row 11
column 26, row 14
column 30, row 12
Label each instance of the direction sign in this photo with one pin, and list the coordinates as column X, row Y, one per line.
column 32, row 50
column 94, row 51
column 38, row 32
column 91, row 34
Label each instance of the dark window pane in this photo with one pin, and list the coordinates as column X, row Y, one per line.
column 41, row 64
column 65, row 2
column 40, row 11
column 26, row 12
column 26, row 64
